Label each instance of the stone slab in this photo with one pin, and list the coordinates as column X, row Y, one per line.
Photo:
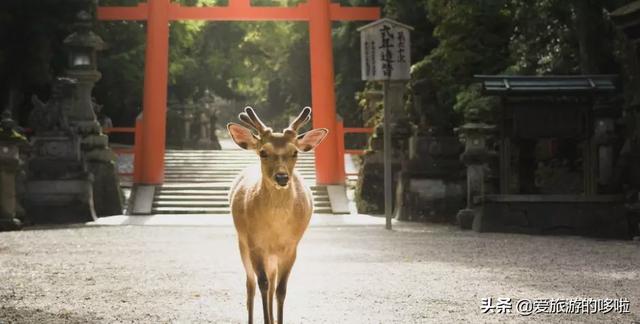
column 338, row 199
column 587, row 218
column 143, row 200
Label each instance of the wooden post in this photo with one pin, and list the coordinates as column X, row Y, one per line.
column 341, row 149
column 323, row 98
column 155, row 92
column 388, row 180
column 138, row 164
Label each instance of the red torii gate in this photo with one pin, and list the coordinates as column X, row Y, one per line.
column 158, row 13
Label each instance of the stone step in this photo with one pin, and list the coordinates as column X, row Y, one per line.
column 191, row 210
column 170, row 181
column 198, row 202
column 218, row 211
column 224, row 153
column 229, row 179
column 213, row 186
column 235, row 164
column 223, row 159
column 191, row 191
column 216, row 172
column 216, row 192
column 239, row 164
column 205, row 185
column 231, row 166
column 217, row 162
column 254, row 157
column 174, row 197
column 251, row 155
column 198, row 182
column 322, row 205
column 189, row 203
column 227, row 175
column 214, row 198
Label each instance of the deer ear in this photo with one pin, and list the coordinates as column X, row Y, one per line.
column 242, row 136
column 307, row 141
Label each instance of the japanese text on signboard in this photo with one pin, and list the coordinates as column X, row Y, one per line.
column 385, row 51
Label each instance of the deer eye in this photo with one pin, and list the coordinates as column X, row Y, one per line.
column 263, row 154
column 295, row 154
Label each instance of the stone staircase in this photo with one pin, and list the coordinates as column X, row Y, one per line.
column 198, row 182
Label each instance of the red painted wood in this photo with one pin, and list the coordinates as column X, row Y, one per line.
column 158, row 13
column 123, row 13
column 340, row 135
column 239, row 13
column 323, row 98
column 156, row 75
column 138, row 157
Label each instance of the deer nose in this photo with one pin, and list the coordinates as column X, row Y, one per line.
column 282, row 178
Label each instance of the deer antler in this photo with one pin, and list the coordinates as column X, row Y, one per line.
column 302, row 119
column 250, row 118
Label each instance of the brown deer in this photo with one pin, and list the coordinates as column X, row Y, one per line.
column 271, row 205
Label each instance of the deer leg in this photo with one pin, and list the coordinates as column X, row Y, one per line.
column 263, row 284
column 271, row 276
column 251, row 280
column 284, row 268
column 266, row 270
column 251, row 292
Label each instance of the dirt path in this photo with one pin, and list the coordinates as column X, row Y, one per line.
column 357, row 274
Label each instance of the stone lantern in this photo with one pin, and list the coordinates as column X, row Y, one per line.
column 474, row 135
column 82, row 46
column 10, row 140
column 207, row 105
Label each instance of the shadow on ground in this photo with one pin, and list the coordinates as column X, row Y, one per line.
column 29, row 315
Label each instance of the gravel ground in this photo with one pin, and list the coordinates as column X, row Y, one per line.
column 344, row 274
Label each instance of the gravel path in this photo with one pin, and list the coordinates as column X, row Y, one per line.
column 353, row 274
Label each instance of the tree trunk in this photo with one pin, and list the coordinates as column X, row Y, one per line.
column 591, row 29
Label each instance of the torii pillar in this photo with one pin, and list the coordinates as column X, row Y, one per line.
column 158, row 13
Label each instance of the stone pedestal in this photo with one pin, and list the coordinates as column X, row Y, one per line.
column 9, row 163
column 60, row 201
column 431, row 186
column 107, row 194
column 58, row 187
column 370, row 186
column 598, row 216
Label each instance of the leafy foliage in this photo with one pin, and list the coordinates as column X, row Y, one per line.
column 266, row 64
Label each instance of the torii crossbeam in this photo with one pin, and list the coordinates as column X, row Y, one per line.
column 158, row 14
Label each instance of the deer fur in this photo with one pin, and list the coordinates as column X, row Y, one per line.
column 271, row 206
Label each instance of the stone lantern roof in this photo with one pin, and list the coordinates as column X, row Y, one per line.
column 83, row 36
column 627, row 18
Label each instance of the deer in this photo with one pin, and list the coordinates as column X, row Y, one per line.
column 271, row 205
